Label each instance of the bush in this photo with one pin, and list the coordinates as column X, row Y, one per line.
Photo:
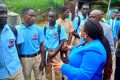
column 41, row 5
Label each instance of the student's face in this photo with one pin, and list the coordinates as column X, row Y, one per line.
column 29, row 17
column 51, row 17
column 118, row 16
column 3, row 15
column 114, row 15
column 66, row 13
column 85, row 9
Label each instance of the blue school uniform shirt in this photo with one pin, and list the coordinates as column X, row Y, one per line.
column 33, row 37
column 52, row 36
column 115, row 27
column 86, row 62
column 9, row 60
column 82, row 21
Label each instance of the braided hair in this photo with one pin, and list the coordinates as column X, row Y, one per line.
column 92, row 27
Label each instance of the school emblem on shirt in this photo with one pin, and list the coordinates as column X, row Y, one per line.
column 35, row 37
column 56, row 35
column 11, row 43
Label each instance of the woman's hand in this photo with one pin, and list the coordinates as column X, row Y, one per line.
column 57, row 65
column 68, row 47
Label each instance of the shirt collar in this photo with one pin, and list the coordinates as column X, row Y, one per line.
column 24, row 27
column 81, row 16
column 6, row 27
column 60, row 19
column 53, row 26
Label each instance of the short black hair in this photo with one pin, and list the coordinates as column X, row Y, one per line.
column 64, row 8
column 3, row 6
column 115, row 12
column 25, row 10
column 95, row 31
column 85, row 4
column 53, row 10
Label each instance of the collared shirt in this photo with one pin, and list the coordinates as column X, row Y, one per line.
column 33, row 37
column 82, row 21
column 69, row 16
column 9, row 60
column 108, row 34
column 52, row 36
column 67, row 24
column 115, row 27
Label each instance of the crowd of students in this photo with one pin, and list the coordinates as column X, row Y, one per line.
column 87, row 43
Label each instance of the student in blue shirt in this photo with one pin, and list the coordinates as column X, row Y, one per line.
column 32, row 50
column 55, row 35
column 117, row 26
column 114, row 24
column 88, row 59
column 79, row 21
column 10, row 66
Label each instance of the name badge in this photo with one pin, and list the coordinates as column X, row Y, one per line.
column 35, row 37
column 56, row 35
column 11, row 43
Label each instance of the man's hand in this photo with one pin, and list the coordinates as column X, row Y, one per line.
column 51, row 56
column 76, row 35
column 57, row 65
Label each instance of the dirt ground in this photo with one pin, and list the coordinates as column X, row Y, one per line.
column 112, row 77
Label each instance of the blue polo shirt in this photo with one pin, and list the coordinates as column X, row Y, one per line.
column 9, row 60
column 33, row 36
column 52, row 36
column 82, row 21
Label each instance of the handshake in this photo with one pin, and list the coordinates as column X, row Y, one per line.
column 65, row 49
column 64, row 53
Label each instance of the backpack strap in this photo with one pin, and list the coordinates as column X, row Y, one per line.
column 59, row 31
column 45, row 28
column 79, row 21
column 18, row 46
column 14, row 30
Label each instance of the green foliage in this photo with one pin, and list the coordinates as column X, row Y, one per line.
column 42, row 5
column 114, row 4
column 57, row 4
